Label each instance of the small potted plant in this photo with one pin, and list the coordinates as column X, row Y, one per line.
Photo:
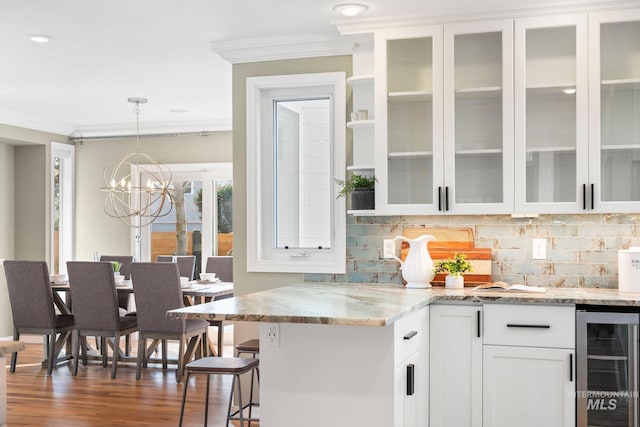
column 362, row 191
column 455, row 267
column 119, row 278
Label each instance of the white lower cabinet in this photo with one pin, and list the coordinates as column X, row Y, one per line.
column 410, row 390
column 528, row 386
column 502, row 365
column 455, row 370
column 528, row 366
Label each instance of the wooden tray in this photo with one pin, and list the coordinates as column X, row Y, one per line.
column 449, row 241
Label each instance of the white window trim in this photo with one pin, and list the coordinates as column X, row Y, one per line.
column 66, row 153
column 261, row 252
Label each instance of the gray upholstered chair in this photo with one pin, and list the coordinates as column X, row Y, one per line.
column 124, row 299
column 222, row 266
column 157, row 290
column 95, row 307
column 186, row 263
column 32, row 306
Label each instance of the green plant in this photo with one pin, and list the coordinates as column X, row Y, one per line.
column 116, row 266
column 454, row 266
column 356, row 181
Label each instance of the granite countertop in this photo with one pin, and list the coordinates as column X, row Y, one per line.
column 376, row 304
column 7, row 347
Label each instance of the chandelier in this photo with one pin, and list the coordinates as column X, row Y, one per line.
column 127, row 199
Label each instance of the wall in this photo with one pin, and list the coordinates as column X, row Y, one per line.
column 31, row 206
column 581, row 249
column 94, row 230
column 7, row 230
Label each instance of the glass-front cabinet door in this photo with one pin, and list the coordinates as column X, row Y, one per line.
column 614, row 67
column 551, row 132
column 478, row 118
column 408, row 127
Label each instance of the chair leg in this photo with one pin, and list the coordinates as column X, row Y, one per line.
column 180, row 360
column 165, row 358
column 52, row 352
column 184, row 398
column 220, row 339
column 76, row 351
column 105, row 351
column 141, row 355
column 14, row 355
column 233, row 384
column 127, row 345
column 116, row 346
column 206, row 401
column 84, row 350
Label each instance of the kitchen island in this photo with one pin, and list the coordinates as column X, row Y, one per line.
column 358, row 354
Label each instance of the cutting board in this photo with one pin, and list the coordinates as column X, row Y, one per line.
column 450, row 241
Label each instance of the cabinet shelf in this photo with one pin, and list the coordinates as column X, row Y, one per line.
column 617, row 82
column 362, row 80
column 616, row 147
column 410, row 96
column 550, row 149
column 481, row 152
column 410, row 154
column 360, row 124
column 478, row 92
column 607, row 358
column 552, row 89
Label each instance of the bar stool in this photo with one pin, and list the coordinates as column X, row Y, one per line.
column 235, row 366
column 250, row 347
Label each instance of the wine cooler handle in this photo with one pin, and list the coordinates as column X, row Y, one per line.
column 571, row 367
column 633, row 374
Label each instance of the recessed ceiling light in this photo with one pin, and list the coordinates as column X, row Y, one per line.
column 350, row 9
column 569, row 91
column 40, row 38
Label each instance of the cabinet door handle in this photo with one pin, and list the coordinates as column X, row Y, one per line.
column 592, row 191
column 517, row 325
column 410, row 379
column 478, row 323
column 446, row 198
column 570, row 367
column 584, row 197
column 410, row 335
column 439, row 198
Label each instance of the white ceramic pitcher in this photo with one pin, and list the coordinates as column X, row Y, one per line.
column 417, row 268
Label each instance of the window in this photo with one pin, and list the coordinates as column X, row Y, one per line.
column 194, row 225
column 62, row 158
column 295, row 153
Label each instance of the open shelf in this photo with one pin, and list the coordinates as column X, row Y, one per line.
column 360, row 167
column 410, row 96
column 363, row 80
column 360, row 124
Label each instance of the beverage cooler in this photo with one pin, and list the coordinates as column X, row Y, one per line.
column 607, row 368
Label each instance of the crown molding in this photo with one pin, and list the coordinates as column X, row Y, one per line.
column 282, row 47
column 154, row 128
column 28, row 122
column 370, row 25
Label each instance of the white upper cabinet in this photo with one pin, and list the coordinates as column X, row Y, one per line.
column 408, row 126
column 614, row 111
column 478, row 118
column 551, row 114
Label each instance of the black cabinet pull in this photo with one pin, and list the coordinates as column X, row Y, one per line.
column 584, row 197
column 478, row 323
column 570, row 367
column 410, row 379
column 410, row 335
column 592, row 191
column 439, row 198
column 516, row 325
column 446, row 198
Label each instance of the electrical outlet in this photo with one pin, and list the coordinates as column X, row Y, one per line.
column 539, row 250
column 272, row 334
column 389, row 248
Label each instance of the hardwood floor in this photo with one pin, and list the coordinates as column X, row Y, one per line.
column 94, row 399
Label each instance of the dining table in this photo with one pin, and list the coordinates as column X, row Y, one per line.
column 194, row 292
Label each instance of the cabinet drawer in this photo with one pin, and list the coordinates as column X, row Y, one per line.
column 410, row 333
column 529, row 325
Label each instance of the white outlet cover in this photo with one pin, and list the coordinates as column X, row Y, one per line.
column 539, row 249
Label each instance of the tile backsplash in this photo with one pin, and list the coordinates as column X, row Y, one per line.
column 582, row 250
